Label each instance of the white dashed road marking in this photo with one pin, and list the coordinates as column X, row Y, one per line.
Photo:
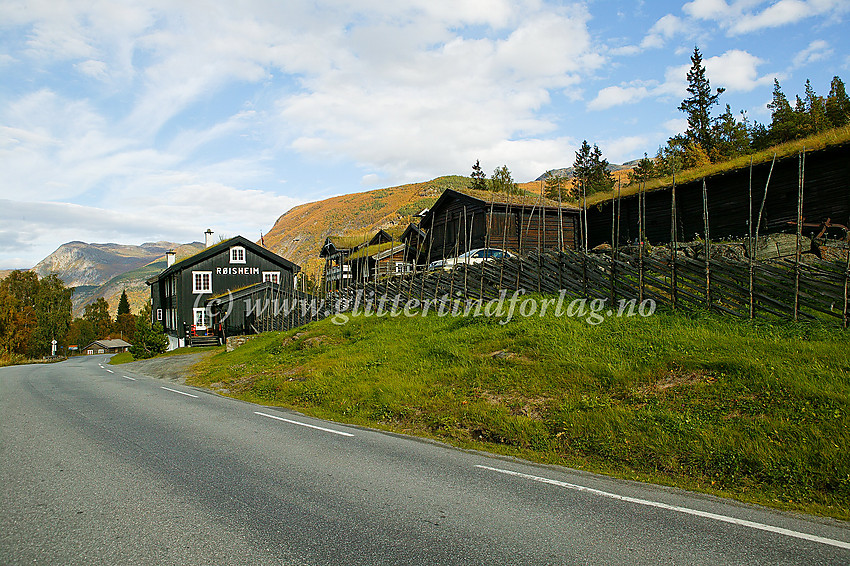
column 180, row 392
column 704, row 514
column 303, row 424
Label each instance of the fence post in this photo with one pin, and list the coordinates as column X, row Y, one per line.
column 486, row 244
column 612, row 274
column 800, row 181
column 583, row 219
column 541, row 226
column 561, row 236
column 674, row 237
column 750, row 241
column 847, row 283
column 519, row 226
column 641, row 206
column 707, row 246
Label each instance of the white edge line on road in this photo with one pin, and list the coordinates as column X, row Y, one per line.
column 303, row 424
column 128, row 377
column 180, row 392
column 705, row 514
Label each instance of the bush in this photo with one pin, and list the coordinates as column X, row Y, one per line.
column 150, row 339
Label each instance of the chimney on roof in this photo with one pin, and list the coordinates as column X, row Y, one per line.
column 170, row 257
column 208, row 238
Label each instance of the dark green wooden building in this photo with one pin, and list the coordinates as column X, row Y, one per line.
column 180, row 293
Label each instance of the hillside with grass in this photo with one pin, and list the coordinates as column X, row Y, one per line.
column 749, row 410
column 298, row 235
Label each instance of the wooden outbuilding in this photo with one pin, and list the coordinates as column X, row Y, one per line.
column 107, row 346
column 462, row 220
column 335, row 251
column 826, row 196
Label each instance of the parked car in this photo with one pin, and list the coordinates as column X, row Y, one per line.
column 471, row 257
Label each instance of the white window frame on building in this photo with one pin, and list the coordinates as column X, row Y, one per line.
column 273, row 276
column 237, row 254
column 198, row 283
column 204, row 321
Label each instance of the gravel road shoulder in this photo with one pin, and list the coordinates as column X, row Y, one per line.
column 169, row 368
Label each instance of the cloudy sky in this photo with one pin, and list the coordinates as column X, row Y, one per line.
column 145, row 120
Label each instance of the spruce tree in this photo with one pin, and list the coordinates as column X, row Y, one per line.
column 837, row 104
column 643, row 171
column 698, row 105
column 590, row 170
column 731, row 137
column 815, row 110
column 479, row 178
column 149, row 339
column 783, row 123
column 123, row 303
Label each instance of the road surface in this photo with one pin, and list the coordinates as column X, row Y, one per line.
column 103, row 466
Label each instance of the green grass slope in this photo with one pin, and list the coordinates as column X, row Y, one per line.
column 750, row 410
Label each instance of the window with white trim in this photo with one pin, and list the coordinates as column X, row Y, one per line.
column 202, row 281
column 201, row 318
column 273, row 276
column 159, row 315
column 237, row 254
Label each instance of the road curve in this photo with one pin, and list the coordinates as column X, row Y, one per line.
column 98, row 465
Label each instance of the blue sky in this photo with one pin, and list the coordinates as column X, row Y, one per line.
column 153, row 120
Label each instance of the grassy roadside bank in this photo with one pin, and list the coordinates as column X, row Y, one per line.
column 749, row 410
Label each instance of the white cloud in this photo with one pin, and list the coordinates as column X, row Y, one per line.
column 735, row 70
column 618, row 95
column 708, row 9
column 92, row 68
column 624, row 149
column 746, row 16
column 663, row 30
column 404, row 121
column 817, row 50
column 676, row 125
column 143, row 109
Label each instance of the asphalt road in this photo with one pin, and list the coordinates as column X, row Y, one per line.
column 101, row 466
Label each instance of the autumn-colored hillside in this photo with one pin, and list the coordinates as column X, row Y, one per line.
column 298, row 235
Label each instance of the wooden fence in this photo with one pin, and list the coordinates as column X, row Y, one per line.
column 783, row 289
column 689, row 276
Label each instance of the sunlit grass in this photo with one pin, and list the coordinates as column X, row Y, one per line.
column 753, row 410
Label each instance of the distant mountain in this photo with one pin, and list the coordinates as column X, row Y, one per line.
column 79, row 263
column 105, row 270
column 133, row 281
column 568, row 171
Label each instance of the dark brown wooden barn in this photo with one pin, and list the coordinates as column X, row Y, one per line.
column 462, row 220
column 826, row 195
